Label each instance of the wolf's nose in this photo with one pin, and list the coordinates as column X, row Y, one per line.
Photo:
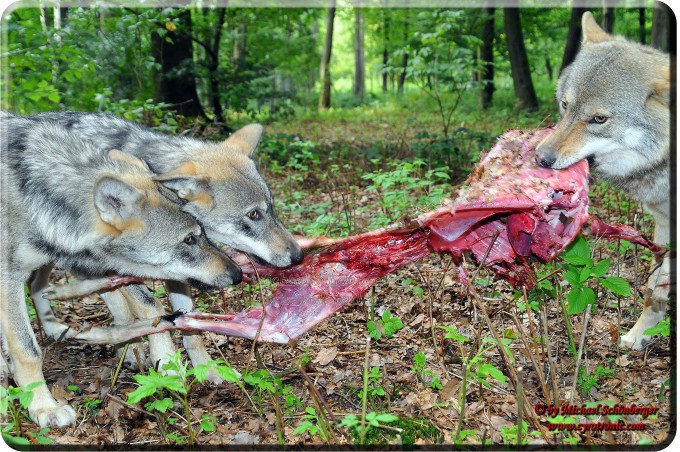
column 296, row 255
column 545, row 161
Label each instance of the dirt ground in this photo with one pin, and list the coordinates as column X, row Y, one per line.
column 540, row 367
column 337, row 350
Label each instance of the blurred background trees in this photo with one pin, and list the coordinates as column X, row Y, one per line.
column 273, row 63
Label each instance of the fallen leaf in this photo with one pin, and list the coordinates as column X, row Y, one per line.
column 326, row 355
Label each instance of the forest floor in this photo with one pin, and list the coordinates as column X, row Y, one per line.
column 416, row 374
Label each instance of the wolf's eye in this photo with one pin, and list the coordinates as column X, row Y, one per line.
column 599, row 119
column 563, row 104
column 190, row 239
column 254, row 215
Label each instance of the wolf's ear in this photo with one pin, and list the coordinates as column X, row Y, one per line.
column 592, row 32
column 115, row 154
column 245, row 139
column 661, row 89
column 116, row 201
column 189, row 188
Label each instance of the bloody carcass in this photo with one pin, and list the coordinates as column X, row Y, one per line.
column 509, row 214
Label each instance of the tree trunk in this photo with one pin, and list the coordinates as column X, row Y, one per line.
column 521, row 74
column 239, row 50
column 642, row 22
column 177, row 84
column 663, row 28
column 359, row 58
column 386, row 53
column 213, row 67
column 608, row 16
column 486, row 58
column 404, row 57
column 325, row 98
column 573, row 37
column 548, row 67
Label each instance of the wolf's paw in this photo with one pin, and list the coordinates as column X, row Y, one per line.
column 52, row 414
column 634, row 342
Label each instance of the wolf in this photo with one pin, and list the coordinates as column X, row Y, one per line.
column 614, row 102
column 91, row 213
column 219, row 185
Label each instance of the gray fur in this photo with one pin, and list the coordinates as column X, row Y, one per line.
column 66, row 202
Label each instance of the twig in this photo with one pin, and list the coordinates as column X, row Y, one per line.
column 586, row 317
column 363, row 402
column 264, row 313
column 551, row 361
column 532, row 358
column 430, row 296
column 520, row 404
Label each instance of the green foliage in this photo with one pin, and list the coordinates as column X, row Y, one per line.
column 173, row 387
column 580, row 268
column 509, row 434
column 587, row 381
column 313, row 424
column 425, row 189
column 387, row 325
column 442, row 61
column 15, row 401
column 426, row 375
column 374, row 388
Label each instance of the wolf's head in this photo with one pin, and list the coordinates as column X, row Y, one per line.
column 614, row 107
column 225, row 192
column 150, row 236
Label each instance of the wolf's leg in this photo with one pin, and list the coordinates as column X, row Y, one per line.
column 39, row 284
column 658, row 287
column 180, row 298
column 144, row 305
column 25, row 356
column 122, row 315
column 81, row 288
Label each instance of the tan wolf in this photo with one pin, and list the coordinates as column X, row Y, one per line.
column 614, row 102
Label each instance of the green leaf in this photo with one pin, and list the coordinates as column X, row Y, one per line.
column 16, row 442
column 579, row 298
column 201, row 372
column 663, row 328
column 601, row 268
column 25, row 398
column 578, row 253
column 452, row 333
column 573, row 277
column 618, row 286
column 349, row 421
column 492, row 371
column 162, row 405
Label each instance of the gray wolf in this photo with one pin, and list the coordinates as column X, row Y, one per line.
column 614, row 102
column 91, row 213
column 219, row 185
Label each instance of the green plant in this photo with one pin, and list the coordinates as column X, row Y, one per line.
column 373, row 421
column 165, row 389
column 374, row 389
column 386, row 325
column 663, row 328
column 580, row 268
column 424, row 374
column 407, row 181
column 313, row 424
column 509, row 434
column 15, row 401
column 587, row 381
